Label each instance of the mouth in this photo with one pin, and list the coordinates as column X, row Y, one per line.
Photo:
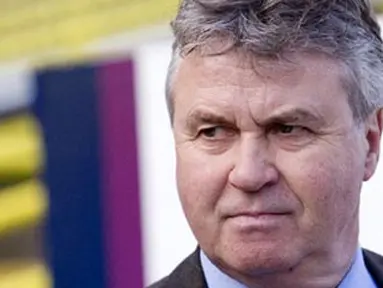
column 259, row 213
column 259, row 220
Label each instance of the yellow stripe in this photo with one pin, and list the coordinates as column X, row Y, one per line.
column 22, row 205
column 35, row 30
column 21, row 153
column 22, row 275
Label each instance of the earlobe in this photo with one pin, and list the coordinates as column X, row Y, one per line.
column 374, row 126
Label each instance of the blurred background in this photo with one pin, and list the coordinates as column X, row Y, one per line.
column 87, row 192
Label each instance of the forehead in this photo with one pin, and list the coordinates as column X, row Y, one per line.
column 304, row 79
column 236, row 65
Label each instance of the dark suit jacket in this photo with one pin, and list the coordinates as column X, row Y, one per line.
column 189, row 273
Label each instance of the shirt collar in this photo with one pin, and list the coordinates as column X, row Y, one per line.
column 215, row 278
column 358, row 275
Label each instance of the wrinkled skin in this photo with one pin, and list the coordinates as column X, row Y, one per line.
column 270, row 164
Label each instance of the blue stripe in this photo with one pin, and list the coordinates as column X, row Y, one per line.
column 66, row 105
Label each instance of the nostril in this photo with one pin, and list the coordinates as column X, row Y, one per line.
column 246, row 178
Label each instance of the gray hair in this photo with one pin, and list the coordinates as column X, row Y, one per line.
column 344, row 30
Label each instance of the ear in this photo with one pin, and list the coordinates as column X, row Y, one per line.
column 374, row 126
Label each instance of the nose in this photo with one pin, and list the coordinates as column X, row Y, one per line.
column 252, row 169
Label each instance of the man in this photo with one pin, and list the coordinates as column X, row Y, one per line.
column 276, row 113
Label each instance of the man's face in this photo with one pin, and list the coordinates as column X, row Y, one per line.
column 269, row 159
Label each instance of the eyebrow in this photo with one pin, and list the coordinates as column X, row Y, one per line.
column 198, row 117
column 293, row 115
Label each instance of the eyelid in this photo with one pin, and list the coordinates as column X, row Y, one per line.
column 227, row 130
column 209, row 127
column 215, row 125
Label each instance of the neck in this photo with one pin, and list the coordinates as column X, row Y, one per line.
column 323, row 269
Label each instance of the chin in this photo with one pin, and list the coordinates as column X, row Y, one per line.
column 259, row 259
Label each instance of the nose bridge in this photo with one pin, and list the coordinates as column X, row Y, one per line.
column 252, row 166
column 252, row 154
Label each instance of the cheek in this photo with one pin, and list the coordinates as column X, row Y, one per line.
column 327, row 184
column 201, row 180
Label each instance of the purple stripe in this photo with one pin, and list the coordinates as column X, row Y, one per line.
column 120, row 176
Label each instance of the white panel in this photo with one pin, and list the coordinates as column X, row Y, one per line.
column 167, row 238
column 16, row 87
column 371, row 214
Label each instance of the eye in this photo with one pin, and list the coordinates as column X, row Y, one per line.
column 285, row 129
column 289, row 136
column 209, row 132
column 215, row 133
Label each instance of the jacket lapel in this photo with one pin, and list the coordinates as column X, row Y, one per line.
column 188, row 274
column 374, row 265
